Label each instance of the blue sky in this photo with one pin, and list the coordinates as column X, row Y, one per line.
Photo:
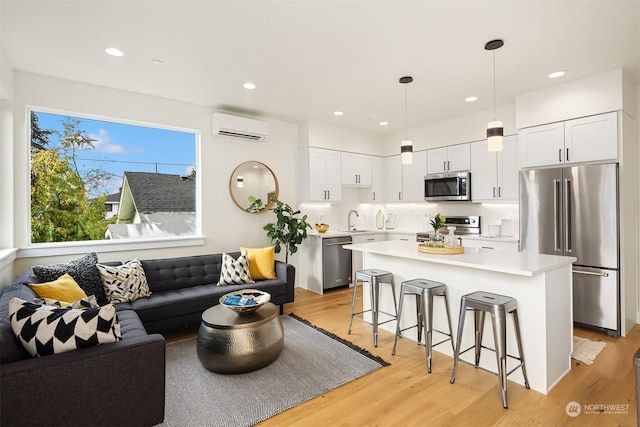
column 121, row 147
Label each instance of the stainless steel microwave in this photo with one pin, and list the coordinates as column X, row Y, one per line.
column 447, row 186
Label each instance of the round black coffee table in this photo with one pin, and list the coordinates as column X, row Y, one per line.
column 232, row 343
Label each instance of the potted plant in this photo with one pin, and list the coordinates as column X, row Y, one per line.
column 289, row 229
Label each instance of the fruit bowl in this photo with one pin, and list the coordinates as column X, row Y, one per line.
column 245, row 301
column 322, row 228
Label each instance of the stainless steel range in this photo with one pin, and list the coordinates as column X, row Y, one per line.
column 465, row 225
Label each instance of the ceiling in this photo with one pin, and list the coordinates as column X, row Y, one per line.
column 311, row 58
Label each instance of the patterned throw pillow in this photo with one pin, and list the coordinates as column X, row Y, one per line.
column 45, row 330
column 83, row 270
column 235, row 272
column 124, row 283
column 88, row 302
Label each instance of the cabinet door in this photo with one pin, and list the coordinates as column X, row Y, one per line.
column 542, row 145
column 333, row 176
column 317, row 173
column 393, row 189
column 508, row 168
column 459, row 157
column 437, row 160
column 363, row 169
column 349, row 168
column 484, row 175
column 413, row 178
column 378, row 175
column 591, row 138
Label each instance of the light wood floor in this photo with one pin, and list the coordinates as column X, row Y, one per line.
column 403, row 394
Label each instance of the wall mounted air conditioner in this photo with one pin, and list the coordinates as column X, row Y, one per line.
column 226, row 125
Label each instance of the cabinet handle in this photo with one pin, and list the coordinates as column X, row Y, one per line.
column 494, row 191
column 405, row 240
column 567, row 157
column 371, row 239
column 499, row 191
column 444, row 166
column 486, row 247
column 448, row 165
column 399, row 195
column 328, row 194
column 374, row 195
column 559, row 154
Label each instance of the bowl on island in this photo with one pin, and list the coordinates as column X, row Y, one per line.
column 322, row 228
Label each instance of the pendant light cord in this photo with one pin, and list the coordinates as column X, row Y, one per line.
column 406, row 114
column 494, row 85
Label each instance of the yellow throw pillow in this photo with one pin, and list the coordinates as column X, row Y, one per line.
column 64, row 289
column 261, row 262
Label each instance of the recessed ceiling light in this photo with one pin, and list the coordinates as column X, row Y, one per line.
column 556, row 74
column 156, row 62
column 383, row 123
column 249, row 85
column 114, row 52
column 471, row 98
column 338, row 113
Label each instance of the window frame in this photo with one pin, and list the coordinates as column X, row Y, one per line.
column 108, row 245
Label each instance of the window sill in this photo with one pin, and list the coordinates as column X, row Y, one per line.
column 7, row 256
column 73, row 248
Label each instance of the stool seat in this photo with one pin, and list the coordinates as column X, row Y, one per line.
column 498, row 306
column 424, row 290
column 374, row 277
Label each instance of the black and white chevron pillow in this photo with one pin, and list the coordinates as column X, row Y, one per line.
column 44, row 329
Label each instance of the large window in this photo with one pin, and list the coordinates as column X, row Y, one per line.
column 94, row 180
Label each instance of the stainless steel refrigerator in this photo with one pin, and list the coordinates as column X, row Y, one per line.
column 574, row 211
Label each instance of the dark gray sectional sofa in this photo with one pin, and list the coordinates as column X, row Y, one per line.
column 122, row 383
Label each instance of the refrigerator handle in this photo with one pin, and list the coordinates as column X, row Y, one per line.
column 590, row 273
column 567, row 221
column 556, row 211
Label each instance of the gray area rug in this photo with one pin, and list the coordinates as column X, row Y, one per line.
column 312, row 362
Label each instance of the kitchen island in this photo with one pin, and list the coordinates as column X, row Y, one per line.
column 542, row 285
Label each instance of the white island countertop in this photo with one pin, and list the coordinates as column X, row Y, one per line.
column 518, row 263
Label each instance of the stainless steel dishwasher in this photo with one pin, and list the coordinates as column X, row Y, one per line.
column 336, row 263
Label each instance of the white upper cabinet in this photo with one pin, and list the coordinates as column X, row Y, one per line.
column 405, row 183
column 356, row 169
column 378, row 174
column 320, row 175
column 454, row 158
column 413, row 178
column 591, row 138
column 586, row 139
column 393, row 188
column 494, row 175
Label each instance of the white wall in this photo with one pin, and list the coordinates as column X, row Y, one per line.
column 225, row 227
column 323, row 135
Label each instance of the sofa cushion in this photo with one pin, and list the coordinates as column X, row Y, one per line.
column 83, row 270
column 124, row 283
column 11, row 350
column 235, row 271
column 182, row 272
column 63, row 289
column 261, row 262
column 45, row 330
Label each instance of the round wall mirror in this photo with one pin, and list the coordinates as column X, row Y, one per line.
column 253, row 179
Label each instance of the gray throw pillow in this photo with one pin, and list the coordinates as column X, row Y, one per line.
column 83, row 270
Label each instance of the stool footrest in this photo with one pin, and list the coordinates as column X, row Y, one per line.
column 490, row 349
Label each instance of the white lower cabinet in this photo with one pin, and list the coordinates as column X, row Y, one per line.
column 489, row 243
column 356, row 256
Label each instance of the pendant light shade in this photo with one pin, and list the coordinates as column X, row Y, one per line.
column 495, row 130
column 406, row 146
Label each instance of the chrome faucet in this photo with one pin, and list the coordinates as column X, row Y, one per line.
column 349, row 219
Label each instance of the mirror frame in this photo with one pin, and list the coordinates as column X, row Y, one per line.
column 231, row 182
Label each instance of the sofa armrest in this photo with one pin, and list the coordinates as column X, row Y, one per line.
column 287, row 273
column 122, row 383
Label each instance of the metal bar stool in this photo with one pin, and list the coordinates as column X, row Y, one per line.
column 374, row 277
column 424, row 291
column 498, row 306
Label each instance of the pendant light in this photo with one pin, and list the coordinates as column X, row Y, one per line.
column 406, row 146
column 495, row 130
